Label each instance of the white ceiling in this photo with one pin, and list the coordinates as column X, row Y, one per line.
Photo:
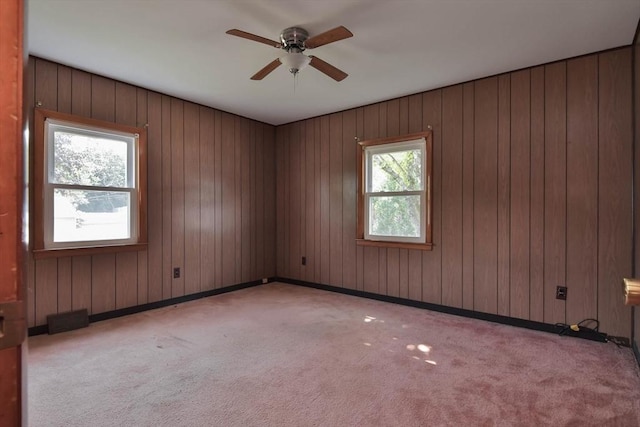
column 401, row 47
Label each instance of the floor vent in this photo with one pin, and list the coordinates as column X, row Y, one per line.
column 69, row 321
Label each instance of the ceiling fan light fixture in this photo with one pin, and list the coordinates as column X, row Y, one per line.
column 295, row 61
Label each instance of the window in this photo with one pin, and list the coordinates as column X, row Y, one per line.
column 394, row 197
column 90, row 185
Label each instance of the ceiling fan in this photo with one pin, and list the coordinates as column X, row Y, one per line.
column 294, row 41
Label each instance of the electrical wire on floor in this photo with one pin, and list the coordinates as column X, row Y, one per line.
column 580, row 326
column 589, row 327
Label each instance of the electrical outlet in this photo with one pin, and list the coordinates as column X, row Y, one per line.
column 561, row 292
column 176, row 273
column 265, row 280
column 304, row 260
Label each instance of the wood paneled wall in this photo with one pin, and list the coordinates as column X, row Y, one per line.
column 532, row 189
column 211, row 201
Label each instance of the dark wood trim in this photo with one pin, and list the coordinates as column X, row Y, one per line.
column 43, row 329
column 94, row 250
column 385, row 244
column 636, row 351
column 496, row 318
column 391, row 139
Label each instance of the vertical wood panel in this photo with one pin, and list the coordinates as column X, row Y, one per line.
column 295, row 253
column 417, row 121
column 103, row 280
column 325, row 208
column 228, row 202
column 403, row 272
column 81, row 283
column 382, row 271
column 253, row 209
column 177, row 194
column 485, row 243
column 143, row 256
column 382, row 121
column 167, row 262
column 452, row 179
column 310, row 200
column 555, row 190
column 536, row 213
column 284, row 188
column 370, row 273
column 431, row 261
column 46, row 84
column 244, row 262
column 504, row 165
column 81, row 93
column 335, row 195
column 207, row 198
column 304, row 215
column 103, row 98
column 404, row 115
column 614, row 190
column 270, row 194
column 261, row 244
column 192, row 226
column 64, row 284
column 414, row 268
column 217, row 198
column 154, row 197
column 393, row 272
column 126, row 99
column 349, row 189
column 64, row 89
column 360, row 249
column 468, row 132
column 126, row 280
column 582, row 188
column 240, row 138
column 393, row 117
column 318, row 192
column 46, row 290
column 520, row 193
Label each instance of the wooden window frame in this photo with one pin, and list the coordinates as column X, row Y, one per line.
column 38, row 210
column 428, row 179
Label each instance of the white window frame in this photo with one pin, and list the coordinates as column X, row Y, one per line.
column 46, row 123
column 132, row 184
column 417, row 144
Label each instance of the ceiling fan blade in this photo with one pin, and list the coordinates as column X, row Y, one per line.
column 266, row 70
column 328, row 69
column 338, row 33
column 249, row 36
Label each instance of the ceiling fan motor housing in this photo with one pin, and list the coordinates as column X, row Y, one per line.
column 293, row 38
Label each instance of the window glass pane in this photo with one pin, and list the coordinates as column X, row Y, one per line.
column 87, row 215
column 394, row 216
column 396, row 171
column 80, row 159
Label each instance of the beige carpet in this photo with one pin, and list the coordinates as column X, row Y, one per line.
column 282, row 355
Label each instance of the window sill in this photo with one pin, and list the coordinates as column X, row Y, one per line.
column 62, row 252
column 386, row 244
